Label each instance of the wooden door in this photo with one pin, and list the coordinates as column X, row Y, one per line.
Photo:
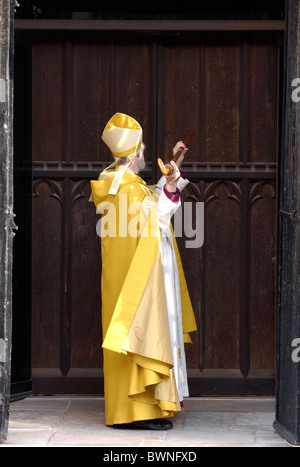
column 7, row 224
column 223, row 85
column 287, row 421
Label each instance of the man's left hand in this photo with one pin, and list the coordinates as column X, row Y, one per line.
column 171, row 180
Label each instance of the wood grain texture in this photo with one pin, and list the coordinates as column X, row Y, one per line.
column 226, row 87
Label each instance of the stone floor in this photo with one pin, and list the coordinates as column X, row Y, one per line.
column 204, row 422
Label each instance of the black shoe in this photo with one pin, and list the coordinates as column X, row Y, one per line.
column 156, row 424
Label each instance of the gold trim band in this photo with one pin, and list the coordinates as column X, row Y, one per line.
column 128, row 152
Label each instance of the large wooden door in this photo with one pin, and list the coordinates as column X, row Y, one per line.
column 223, row 85
column 7, row 224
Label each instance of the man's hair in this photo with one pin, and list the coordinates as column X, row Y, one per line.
column 122, row 160
column 126, row 160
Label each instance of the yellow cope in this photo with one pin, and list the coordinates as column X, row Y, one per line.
column 139, row 383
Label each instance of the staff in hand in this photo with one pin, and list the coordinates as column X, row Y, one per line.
column 167, row 169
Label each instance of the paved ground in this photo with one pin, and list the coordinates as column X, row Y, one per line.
column 204, row 422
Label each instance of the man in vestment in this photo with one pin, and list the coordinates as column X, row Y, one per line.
column 146, row 309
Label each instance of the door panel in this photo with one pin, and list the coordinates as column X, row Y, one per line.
column 225, row 86
column 21, row 384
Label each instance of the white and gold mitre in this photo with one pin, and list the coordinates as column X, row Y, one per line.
column 123, row 135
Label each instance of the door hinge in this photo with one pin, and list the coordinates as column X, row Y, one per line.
column 295, row 216
column 10, row 223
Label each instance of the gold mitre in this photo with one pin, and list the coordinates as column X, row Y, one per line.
column 123, row 135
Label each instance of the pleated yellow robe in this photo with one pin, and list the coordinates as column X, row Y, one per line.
column 139, row 381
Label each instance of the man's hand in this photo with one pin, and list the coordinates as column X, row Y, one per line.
column 180, row 147
column 171, row 180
